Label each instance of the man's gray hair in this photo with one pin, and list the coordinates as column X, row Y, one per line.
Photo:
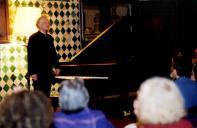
column 73, row 94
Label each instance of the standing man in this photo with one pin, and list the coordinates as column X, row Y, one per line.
column 42, row 58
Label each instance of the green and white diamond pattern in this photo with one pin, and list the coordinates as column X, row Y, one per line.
column 13, row 67
column 65, row 28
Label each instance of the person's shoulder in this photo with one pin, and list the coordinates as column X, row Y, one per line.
column 58, row 114
column 185, row 123
column 50, row 36
column 32, row 39
column 34, row 35
column 96, row 112
column 184, row 80
column 186, row 85
column 188, row 81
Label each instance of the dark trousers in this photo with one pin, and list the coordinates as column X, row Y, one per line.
column 43, row 84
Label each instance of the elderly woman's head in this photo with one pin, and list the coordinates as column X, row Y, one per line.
column 73, row 95
column 26, row 109
column 159, row 102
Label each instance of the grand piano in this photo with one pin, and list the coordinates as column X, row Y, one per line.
column 127, row 51
column 106, row 63
column 124, row 54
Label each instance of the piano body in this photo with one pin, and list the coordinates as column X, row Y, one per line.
column 106, row 63
column 128, row 51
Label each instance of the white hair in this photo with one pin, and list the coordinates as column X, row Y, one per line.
column 159, row 101
column 73, row 95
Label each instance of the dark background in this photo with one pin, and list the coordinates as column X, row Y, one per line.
column 160, row 29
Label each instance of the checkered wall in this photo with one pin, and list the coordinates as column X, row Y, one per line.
column 64, row 27
column 13, row 67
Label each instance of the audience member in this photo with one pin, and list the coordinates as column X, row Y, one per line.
column 181, row 72
column 159, row 104
column 74, row 111
column 24, row 109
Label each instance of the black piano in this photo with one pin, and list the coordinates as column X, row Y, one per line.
column 124, row 54
column 106, row 63
column 119, row 59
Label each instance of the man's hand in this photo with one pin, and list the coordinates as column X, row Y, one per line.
column 34, row 77
column 56, row 71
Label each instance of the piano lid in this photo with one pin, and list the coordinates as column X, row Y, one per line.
column 105, row 48
column 104, row 55
column 92, row 42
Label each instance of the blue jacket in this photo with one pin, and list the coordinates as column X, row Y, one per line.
column 86, row 118
column 188, row 89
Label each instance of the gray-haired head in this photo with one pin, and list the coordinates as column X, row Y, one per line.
column 159, row 101
column 73, row 94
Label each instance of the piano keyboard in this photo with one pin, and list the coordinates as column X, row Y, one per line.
column 82, row 77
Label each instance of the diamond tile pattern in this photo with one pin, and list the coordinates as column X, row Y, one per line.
column 64, row 27
column 13, row 67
